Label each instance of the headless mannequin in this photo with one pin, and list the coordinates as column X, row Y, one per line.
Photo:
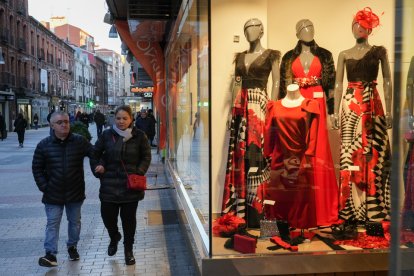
column 357, row 52
column 293, row 96
column 253, row 30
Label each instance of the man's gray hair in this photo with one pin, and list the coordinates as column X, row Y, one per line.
column 57, row 113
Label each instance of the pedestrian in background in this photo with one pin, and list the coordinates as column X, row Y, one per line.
column 36, row 121
column 57, row 168
column 20, row 125
column 120, row 148
column 152, row 132
column 48, row 120
column 144, row 123
column 2, row 127
column 99, row 119
column 84, row 118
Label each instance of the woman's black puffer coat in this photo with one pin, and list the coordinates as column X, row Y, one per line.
column 57, row 168
column 136, row 155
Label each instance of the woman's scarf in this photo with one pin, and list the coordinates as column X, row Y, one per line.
column 127, row 133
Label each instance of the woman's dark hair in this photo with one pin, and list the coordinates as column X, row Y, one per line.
column 125, row 108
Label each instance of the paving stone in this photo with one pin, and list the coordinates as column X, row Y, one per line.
column 159, row 249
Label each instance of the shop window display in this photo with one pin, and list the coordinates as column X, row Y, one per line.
column 332, row 192
column 293, row 182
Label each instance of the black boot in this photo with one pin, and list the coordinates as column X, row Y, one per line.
column 129, row 257
column 113, row 245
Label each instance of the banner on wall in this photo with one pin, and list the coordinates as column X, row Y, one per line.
column 150, row 55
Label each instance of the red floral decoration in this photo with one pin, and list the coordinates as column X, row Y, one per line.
column 367, row 19
column 227, row 225
column 306, row 82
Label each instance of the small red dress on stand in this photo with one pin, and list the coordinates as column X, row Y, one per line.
column 291, row 141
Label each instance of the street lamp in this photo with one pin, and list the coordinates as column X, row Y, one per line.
column 112, row 32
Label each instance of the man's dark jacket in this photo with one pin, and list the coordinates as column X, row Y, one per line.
column 99, row 119
column 57, row 168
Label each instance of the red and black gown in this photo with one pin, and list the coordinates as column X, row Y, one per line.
column 365, row 149
column 247, row 169
column 326, row 185
column 291, row 141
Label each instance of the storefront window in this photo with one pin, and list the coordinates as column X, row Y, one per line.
column 311, row 119
column 188, row 110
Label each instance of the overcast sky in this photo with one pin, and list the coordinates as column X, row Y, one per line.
column 85, row 14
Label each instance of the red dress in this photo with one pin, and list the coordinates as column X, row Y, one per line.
column 290, row 139
column 326, row 190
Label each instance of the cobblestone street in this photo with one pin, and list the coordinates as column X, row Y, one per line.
column 159, row 246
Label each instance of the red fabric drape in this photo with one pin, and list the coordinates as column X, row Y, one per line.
column 151, row 57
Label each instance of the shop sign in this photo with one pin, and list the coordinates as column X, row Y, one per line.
column 136, row 89
column 23, row 101
column 39, row 103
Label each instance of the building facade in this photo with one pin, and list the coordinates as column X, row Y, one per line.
column 115, row 76
column 38, row 70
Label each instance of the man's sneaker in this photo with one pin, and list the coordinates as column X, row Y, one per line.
column 49, row 260
column 73, row 253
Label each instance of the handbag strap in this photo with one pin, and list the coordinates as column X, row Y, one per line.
column 122, row 162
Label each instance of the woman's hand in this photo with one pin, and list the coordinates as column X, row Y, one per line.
column 99, row 169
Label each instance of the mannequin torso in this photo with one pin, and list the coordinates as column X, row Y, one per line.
column 306, row 58
column 252, row 55
column 293, row 97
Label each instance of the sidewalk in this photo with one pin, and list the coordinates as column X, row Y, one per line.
column 159, row 246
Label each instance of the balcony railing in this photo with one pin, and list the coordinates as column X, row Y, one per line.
column 12, row 80
column 20, row 8
column 4, row 35
column 21, row 44
column 5, row 78
column 22, row 82
column 11, row 40
column 41, row 54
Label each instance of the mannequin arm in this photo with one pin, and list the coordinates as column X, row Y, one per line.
column 387, row 86
column 275, row 80
column 340, row 69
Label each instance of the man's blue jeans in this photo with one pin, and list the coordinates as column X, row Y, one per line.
column 54, row 216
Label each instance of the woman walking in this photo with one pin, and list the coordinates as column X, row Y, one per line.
column 119, row 150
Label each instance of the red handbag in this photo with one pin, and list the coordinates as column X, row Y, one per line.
column 244, row 244
column 137, row 182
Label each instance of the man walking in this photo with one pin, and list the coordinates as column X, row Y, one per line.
column 57, row 168
column 99, row 119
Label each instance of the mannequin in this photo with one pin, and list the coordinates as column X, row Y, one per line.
column 293, row 97
column 365, row 149
column 312, row 68
column 247, row 169
column 290, row 140
column 408, row 207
